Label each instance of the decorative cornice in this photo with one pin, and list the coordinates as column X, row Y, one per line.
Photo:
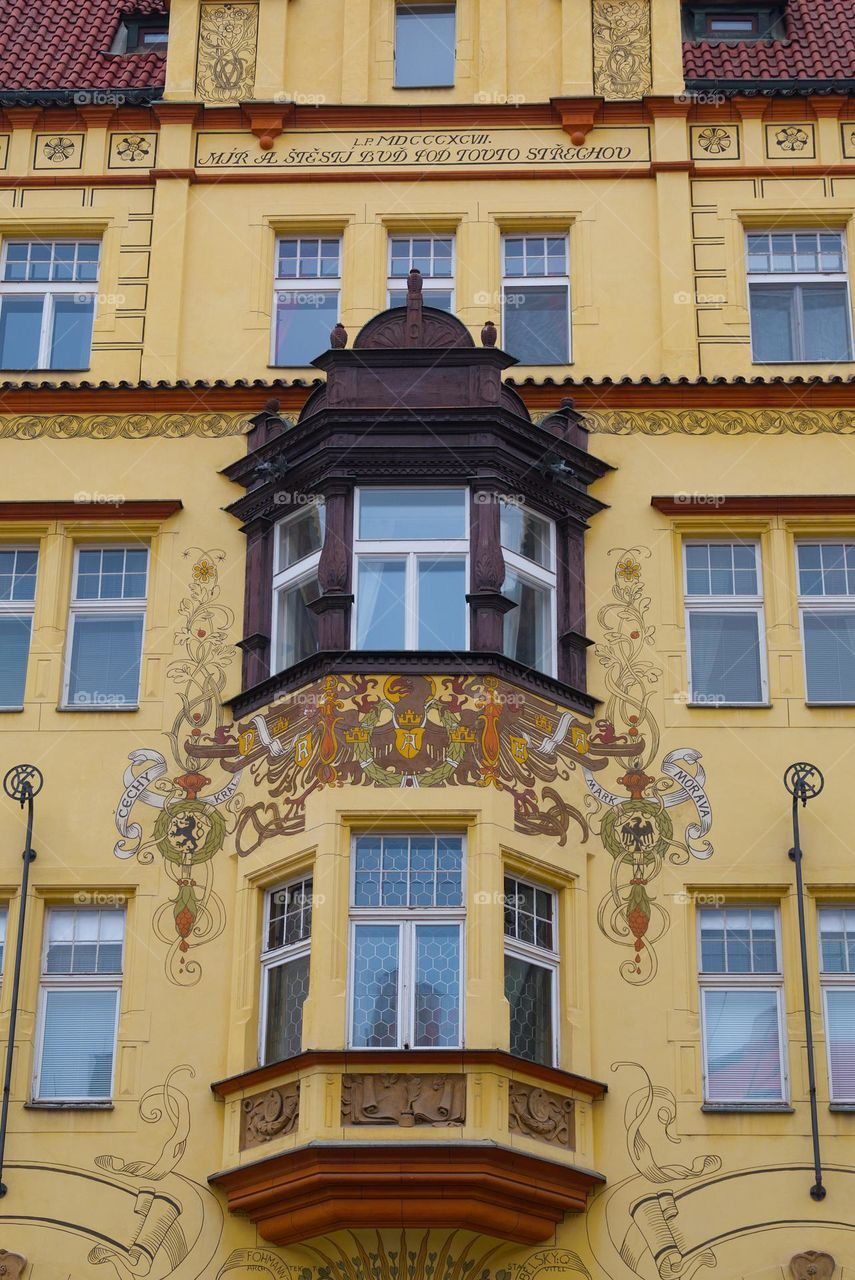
column 128, row 426
column 110, row 508
column 721, row 505
column 726, row 422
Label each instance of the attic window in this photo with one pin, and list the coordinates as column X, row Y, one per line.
column 733, row 22
column 139, row 33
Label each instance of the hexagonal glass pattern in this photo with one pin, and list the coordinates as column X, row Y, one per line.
column 408, row 871
column 528, row 989
column 437, row 993
column 376, row 971
column 287, row 988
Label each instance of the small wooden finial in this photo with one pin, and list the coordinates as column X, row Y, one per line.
column 489, row 334
column 414, row 331
column 338, row 336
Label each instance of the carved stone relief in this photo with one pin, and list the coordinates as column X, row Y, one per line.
column 11, row 1264
column 539, row 1113
column 405, row 1100
column 812, row 1265
column 271, row 1114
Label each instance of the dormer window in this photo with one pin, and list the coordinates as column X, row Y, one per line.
column 141, row 33
column 733, row 22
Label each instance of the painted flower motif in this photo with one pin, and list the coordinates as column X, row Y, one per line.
column 134, row 147
column 204, row 571
column 57, row 149
column 715, row 140
column 629, row 570
column 792, row 138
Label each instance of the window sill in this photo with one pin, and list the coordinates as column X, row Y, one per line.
column 748, row 1108
column 845, row 1107
column 11, row 710
column 88, row 710
column 820, row 706
column 729, row 706
column 59, row 1105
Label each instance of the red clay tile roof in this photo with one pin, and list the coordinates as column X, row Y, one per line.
column 819, row 45
column 63, row 44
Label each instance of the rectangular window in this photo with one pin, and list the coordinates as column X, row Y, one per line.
column 424, row 45
column 407, row 919
column 732, row 25
column 837, row 977
column 798, row 287
column 826, row 573
column 17, row 600
column 433, row 256
column 306, row 297
column 411, row 569
column 742, row 1005
column 106, row 627
column 79, row 994
column 47, row 303
column 285, row 969
column 536, row 299
column 529, row 553
column 724, row 624
column 297, row 553
column 531, row 970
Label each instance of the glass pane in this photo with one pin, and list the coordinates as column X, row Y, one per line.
column 380, row 612
column 78, row 1045
column 527, row 632
column 437, row 995
column 825, row 308
column 411, row 515
column 20, row 332
column 301, row 536
column 712, row 941
column 526, row 534
column 834, row 952
column 71, row 340
column 840, row 1016
column 442, row 603
column 438, row 298
column 424, row 45
column 773, row 322
column 14, row 651
column 528, row 990
column 725, row 658
column 743, row 1046
column 829, row 656
column 290, row 915
column 304, row 319
column 105, row 660
column 296, row 624
column 536, row 323
column 375, row 987
column 287, row 988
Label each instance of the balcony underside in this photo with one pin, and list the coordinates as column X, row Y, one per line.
column 313, row 1190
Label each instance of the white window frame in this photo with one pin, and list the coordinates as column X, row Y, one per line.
column 279, row 956
column 78, row 608
column 21, row 608
column 745, row 982
column 721, row 604
column 293, row 576
column 406, row 919
column 302, row 284
column 793, row 279
column 831, row 981
column 74, row 982
column 509, row 281
column 539, row 956
column 539, row 576
column 409, row 550
column 430, row 284
column 428, row 4
column 49, row 290
column 821, row 604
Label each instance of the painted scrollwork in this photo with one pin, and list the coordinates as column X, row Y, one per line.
column 622, row 57
column 271, row 1114
column 542, row 1114
column 228, row 35
column 405, row 1100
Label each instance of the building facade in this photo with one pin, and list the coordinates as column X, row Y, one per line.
column 427, row 542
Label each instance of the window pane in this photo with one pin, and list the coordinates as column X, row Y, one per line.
column 71, row 340
column 825, row 308
column 829, row 656
column 840, row 1016
column 725, row 657
column 437, row 995
column 290, row 915
column 79, row 1041
column 412, row 514
column 375, row 987
column 301, row 536
column 442, row 603
column 14, row 651
column 20, row 332
column 837, row 938
column 424, row 45
column 536, row 323
column 304, row 319
column 380, row 615
column 296, row 624
column 439, row 298
column 287, row 988
column 105, row 660
column 527, row 634
column 528, row 989
column 773, row 322
column 743, row 1046
column 525, row 534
